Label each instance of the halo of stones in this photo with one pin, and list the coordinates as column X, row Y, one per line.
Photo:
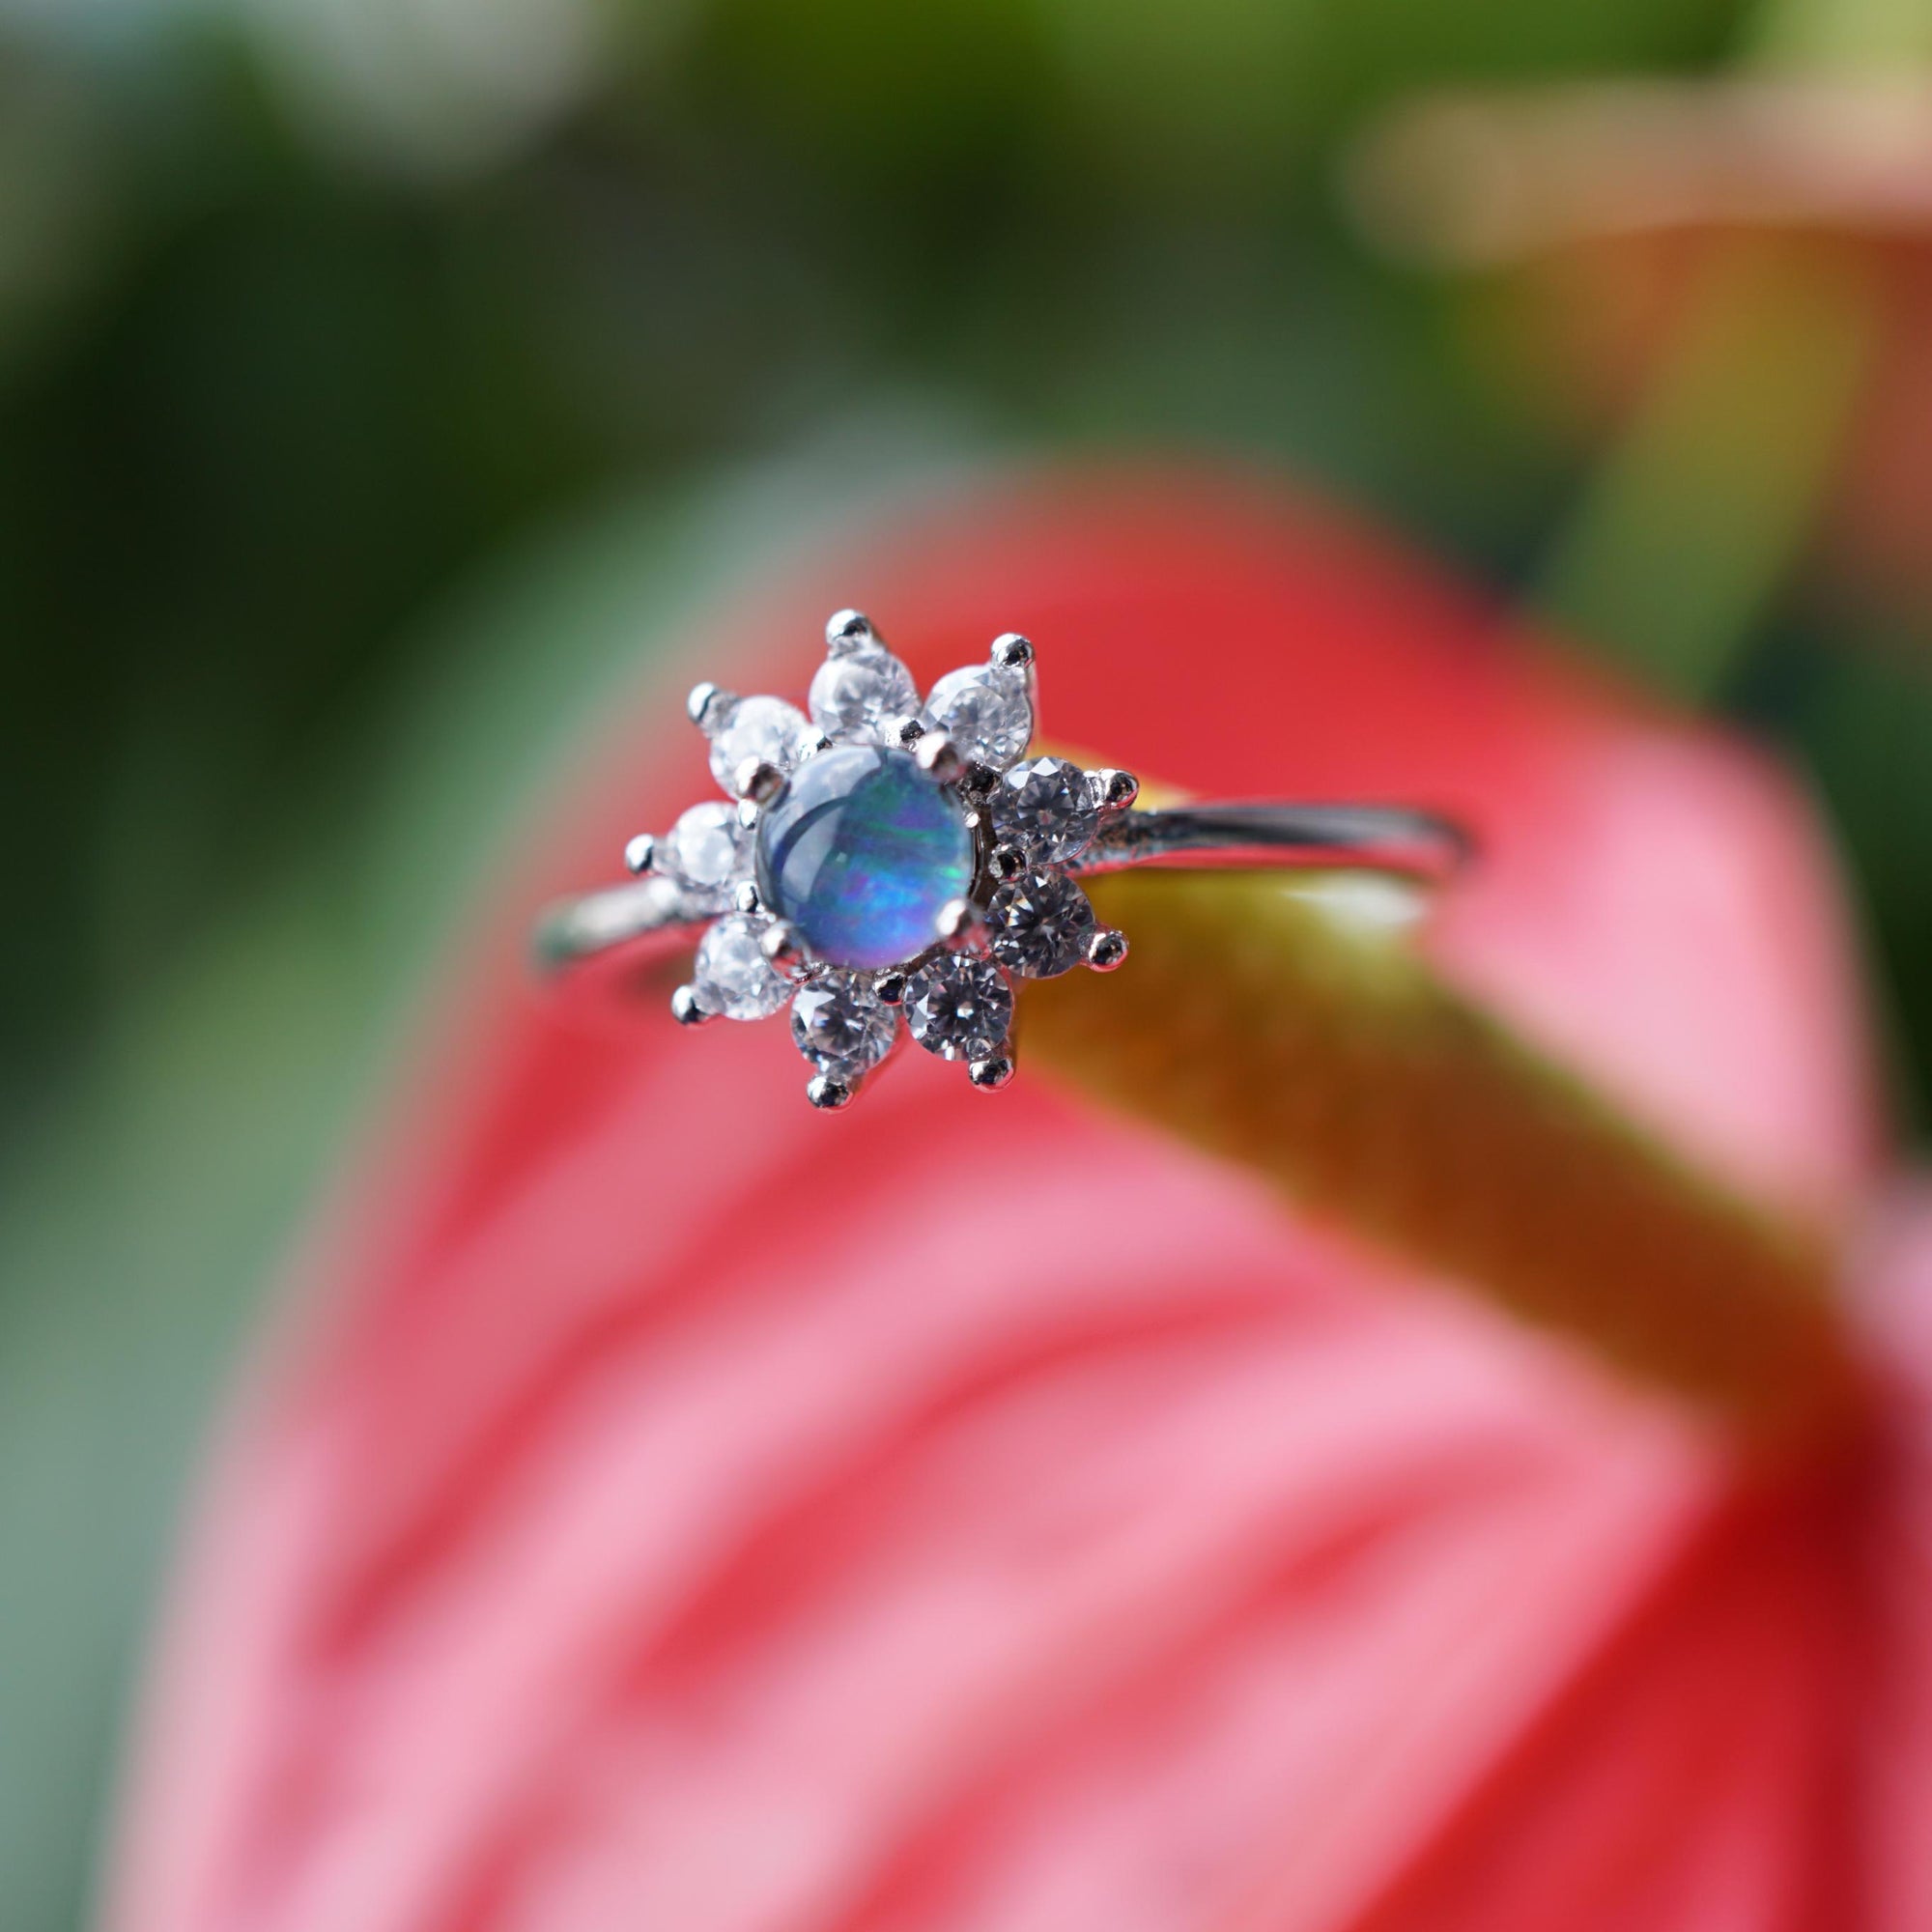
column 1024, row 916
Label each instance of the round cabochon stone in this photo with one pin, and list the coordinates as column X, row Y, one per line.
column 859, row 852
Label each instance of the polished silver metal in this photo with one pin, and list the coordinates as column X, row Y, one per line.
column 992, row 1073
column 846, row 631
column 939, row 759
column 780, row 945
column 1262, row 837
column 1023, row 914
column 758, row 781
column 956, row 919
column 1415, row 845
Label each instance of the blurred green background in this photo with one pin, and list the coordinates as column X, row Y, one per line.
column 374, row 373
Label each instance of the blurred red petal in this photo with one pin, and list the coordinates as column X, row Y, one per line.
column 679, row 1509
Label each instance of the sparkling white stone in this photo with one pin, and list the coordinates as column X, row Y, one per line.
column 707, row 850
column 958, row 1006
column 1039, row 924
column 985, row 711
column 842, row 1026
column 1045, row 807
column 766, row 729
column 733, row 976
column 853, row 697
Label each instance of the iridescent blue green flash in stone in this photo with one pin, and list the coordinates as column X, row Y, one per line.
column 860, row 851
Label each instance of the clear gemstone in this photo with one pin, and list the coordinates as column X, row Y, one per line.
column 985, row 711
column 1045, row 807
column 842, row 1026
column 859, row 852
column 707, row 850
column 765, row 728
column 958, row 1006
column 733, row 976
column 853, row 695
column 1039, row 924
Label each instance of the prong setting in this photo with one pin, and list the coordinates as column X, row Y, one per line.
column 992, row 1074
column 939, row 757
column 838, row 930
column 957, row 918
column 757, row 781
column 848, row 630
column 783, row 945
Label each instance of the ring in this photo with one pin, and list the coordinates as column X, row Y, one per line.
column 888, row 869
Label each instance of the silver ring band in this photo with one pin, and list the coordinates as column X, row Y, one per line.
column 1409, row 844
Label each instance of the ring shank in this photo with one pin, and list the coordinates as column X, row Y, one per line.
column 1262, row 837
column 1269, row 836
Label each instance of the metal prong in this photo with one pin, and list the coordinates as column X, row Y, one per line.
column 745, row 895
column 747, row 813
column 891, row 989
column 992, row 1073
column 939, row 757
column 1107, row 949
column 706, row 704
column 638, row 853
column 956, row 919
column 782, row 945
column 757, row 781
column 1114, row 788
column 906, row 732
column 1008, row 862
column 848, row 630
column 823, row 1091
column 978, row 782
column 1012, row 651
column 684, row 1010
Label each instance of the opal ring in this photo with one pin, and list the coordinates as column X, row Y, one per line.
column 888, row 868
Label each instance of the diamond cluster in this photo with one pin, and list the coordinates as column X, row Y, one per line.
column 899, row 888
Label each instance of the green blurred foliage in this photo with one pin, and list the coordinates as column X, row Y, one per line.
column 362, row 399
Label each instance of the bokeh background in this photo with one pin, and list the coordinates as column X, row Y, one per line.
column 374, row 374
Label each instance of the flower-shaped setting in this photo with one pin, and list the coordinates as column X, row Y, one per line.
column 886, row 868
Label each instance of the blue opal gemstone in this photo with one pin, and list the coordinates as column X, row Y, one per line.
column 860, row 851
